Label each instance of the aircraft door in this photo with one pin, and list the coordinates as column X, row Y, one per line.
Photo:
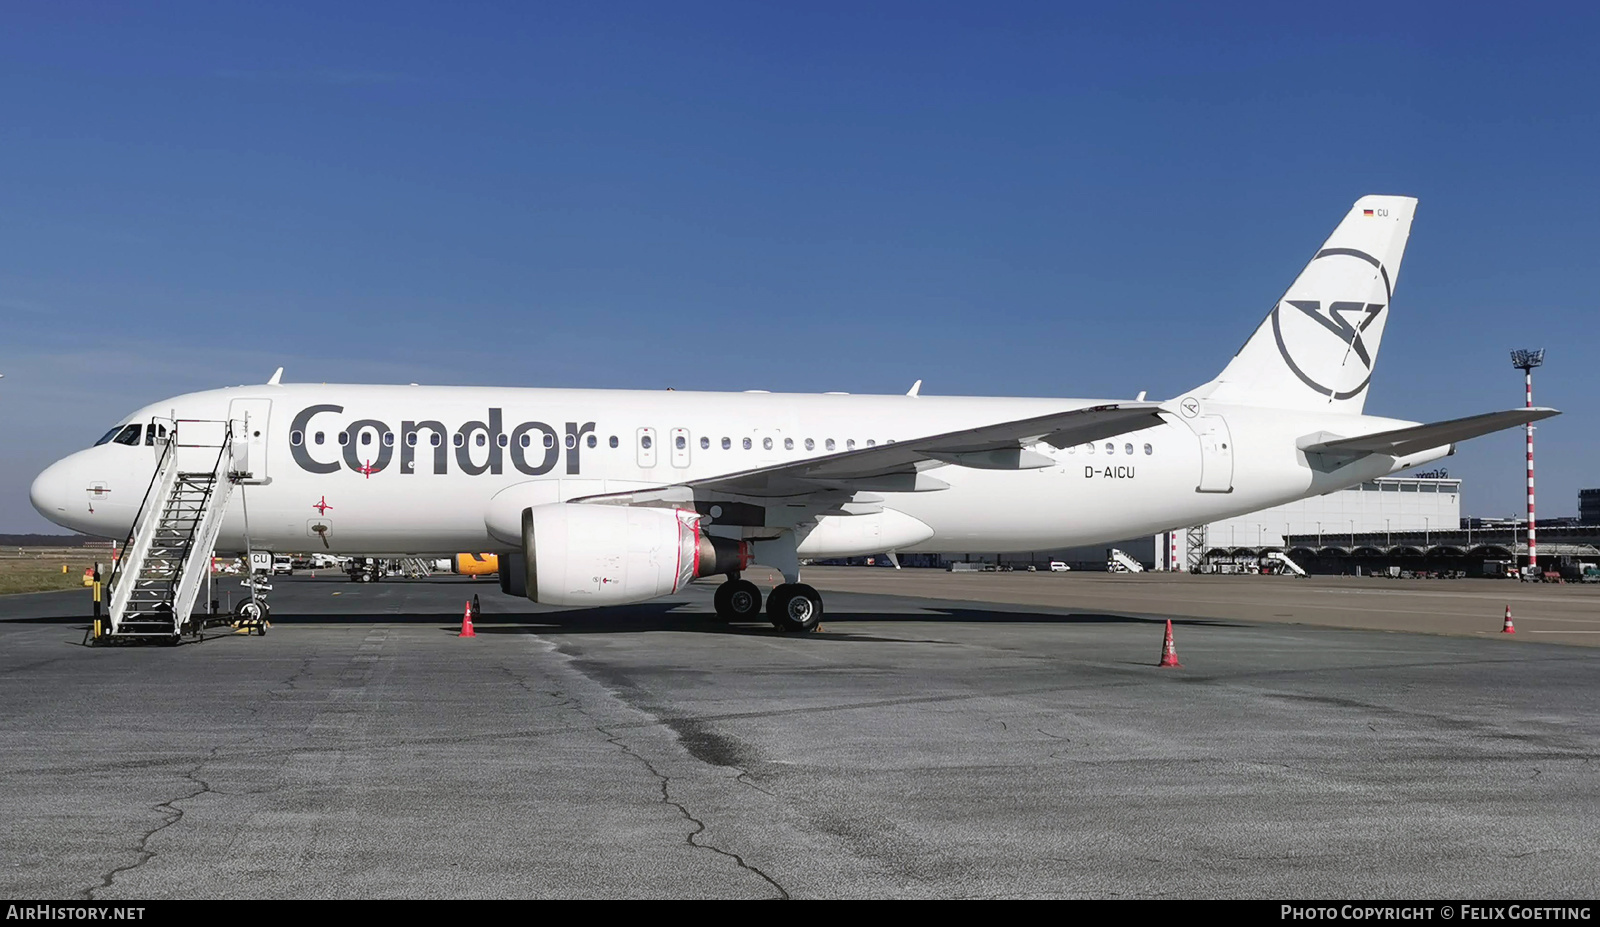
column 254, row 416
column 1216, row 454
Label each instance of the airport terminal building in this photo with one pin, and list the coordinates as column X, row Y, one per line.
column 1411, row 523
column 1400, row 516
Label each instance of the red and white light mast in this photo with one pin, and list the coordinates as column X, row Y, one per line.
column 1525, row 361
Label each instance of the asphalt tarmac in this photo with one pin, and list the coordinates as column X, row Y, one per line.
column 920, row 746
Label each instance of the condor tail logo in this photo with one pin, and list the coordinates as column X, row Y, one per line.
column 1318, row 346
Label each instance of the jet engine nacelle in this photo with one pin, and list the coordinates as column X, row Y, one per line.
column 581, row 554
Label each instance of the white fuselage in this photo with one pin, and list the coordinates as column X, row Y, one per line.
column 381, row 494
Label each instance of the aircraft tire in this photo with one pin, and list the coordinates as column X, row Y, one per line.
column 795, row 607
column 738, row 600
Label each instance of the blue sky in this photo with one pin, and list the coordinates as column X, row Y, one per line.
column 1001, row 199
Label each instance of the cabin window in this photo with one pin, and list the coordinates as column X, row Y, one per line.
column 388, row 439
column 366, row 437
column 344, row 438
column 411, row 439
column 705, row 444
column 612, row 441
column 1148, row 450
column 788, row 444
column 296, row 439
column 1088, row 448
column 435, row 439
column 1111, row 448
column 549, row 439
column 1127, row 449
column 526, row 440
column 828, row 444
column 319, row 438
column 593, row 441
column 571, row 442
column 850, row 444
column 680, row 442
column 502, row 440
column 726, row 443
column 871, row 443
column 747, row 444
column 766, row 444
column 644, row 441
column 459, row 439
column 811, row 445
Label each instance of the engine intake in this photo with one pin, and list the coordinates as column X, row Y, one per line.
column 615, row 555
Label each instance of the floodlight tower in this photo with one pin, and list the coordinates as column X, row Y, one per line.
column 1525, row 361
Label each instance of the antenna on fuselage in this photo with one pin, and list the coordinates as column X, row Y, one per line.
column 915, row 388
column 276, row 377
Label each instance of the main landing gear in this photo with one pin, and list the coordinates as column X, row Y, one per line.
column 790, row 606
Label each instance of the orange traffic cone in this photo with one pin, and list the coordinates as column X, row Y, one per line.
column 1509, row 627
column 1169, row 650
column 466, row 622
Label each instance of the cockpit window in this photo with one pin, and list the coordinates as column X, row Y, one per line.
column 108, row 436
column 129, row 435
column 151, row 436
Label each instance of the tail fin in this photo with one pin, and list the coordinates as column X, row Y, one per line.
column 1318, row 346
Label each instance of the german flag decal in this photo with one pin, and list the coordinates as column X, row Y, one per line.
column 1366, row 212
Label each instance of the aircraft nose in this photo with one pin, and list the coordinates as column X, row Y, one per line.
column 51, row 490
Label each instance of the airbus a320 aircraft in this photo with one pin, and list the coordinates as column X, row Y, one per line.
column 606, row 497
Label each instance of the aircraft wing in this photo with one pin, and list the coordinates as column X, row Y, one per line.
column 1402, row 441
column 898, row 466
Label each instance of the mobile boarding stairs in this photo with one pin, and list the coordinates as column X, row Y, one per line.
column 168, row 553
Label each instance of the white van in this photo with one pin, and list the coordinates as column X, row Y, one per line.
column 1056, row 566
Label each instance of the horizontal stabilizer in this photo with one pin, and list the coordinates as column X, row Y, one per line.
column 1403, row 441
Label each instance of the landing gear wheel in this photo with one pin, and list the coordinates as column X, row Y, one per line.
column 794, row 607
column 252, row 616
column 738, row 600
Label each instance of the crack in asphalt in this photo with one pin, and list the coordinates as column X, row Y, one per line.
column 171, row 812
column 699, row 825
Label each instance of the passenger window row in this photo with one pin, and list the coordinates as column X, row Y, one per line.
column 435, row 439
column 1111, row 448
column 680, row 441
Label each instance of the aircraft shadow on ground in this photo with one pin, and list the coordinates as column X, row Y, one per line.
column 680, row 617
column 675, row 616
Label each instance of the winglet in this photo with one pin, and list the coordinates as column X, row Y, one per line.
column 915, row 388
column 276, row 377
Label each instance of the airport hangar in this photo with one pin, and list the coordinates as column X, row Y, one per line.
column 1412, row 522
